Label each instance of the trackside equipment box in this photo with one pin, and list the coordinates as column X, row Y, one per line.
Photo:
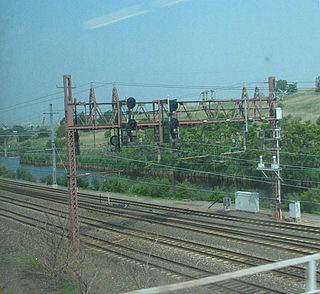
column 247, row 201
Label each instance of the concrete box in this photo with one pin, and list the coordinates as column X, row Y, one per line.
column 247, row 201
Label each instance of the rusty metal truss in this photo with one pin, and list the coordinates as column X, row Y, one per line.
column 114, row 115
column 156, row 115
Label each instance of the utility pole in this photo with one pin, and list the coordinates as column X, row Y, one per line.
column 53, row 147
column 273, row 137
column 71, row 161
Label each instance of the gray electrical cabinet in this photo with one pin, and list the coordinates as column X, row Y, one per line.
column 247, row 201
column 294, row 210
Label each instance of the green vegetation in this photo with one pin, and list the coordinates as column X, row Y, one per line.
column 157, row 188
column 317, row 82
column 284, row 87
column 304, row 104
column 20, row 174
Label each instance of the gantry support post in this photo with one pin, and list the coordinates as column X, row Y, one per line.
column 71, row 162
column 276, row 185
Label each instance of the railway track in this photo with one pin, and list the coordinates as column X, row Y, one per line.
column 211, row 215
column 165, row 265
column 192, row 247
column 282, row 241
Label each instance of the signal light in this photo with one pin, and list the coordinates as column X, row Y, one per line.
column 132, row 124
column 173, row 105
column 114, row 141
column 174, row 124
column 131, row 102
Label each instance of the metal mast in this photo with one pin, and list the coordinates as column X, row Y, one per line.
column 53, row 146
column 71, row 161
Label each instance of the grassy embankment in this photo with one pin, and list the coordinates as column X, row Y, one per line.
column 304, row 104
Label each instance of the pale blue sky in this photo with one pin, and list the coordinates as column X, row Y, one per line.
column 192, row 42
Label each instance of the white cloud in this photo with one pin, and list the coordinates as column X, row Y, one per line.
column 166, row 3
column 115, row 16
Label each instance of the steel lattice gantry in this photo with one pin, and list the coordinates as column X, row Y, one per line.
column 156, row 115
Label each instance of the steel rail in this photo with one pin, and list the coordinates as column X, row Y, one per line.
column 237, row 285
column 205, row 250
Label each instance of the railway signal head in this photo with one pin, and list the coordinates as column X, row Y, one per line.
column 174, row 125
column 132, row 124
column 173, row 105
column 131, row 102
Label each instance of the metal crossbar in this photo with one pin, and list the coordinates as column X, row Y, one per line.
column 311, row 283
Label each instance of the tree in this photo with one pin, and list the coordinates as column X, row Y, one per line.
column 292, row 88
column 281, row 86
column 61, row 131
column 317, row 84
column 284, row 87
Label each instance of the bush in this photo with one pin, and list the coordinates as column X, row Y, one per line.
column 62, row 181
column 23, row 174
column 47, row 180
column 83, row 182
column 114, row 185
column 61, row 131
column 7, row 173
column 95, row 183
column 310, row 201
column 141, row 189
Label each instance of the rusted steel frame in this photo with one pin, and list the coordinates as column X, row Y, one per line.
column 232, row 120
column 221, row 106
column 160, row 119
column 146, row 112
column 71, row 162
column 184, row 110
column 92, row 100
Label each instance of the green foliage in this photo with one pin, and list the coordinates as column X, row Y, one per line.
column 281, row 86
column 47, row 180
column 310, row 201
column 217, row 194
column 114, row 185
column 62, row 181
column 23, row 174
column 60, row 143
column 95, row 183
column 83, row 182
column 61, row 131
column 18, row 128
column 292, row 88
column 317, row 82
column 7, row 173
column 284, row 87
column 26, row 145
column 43, row 133
column 107, row 134
column 318, row 121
